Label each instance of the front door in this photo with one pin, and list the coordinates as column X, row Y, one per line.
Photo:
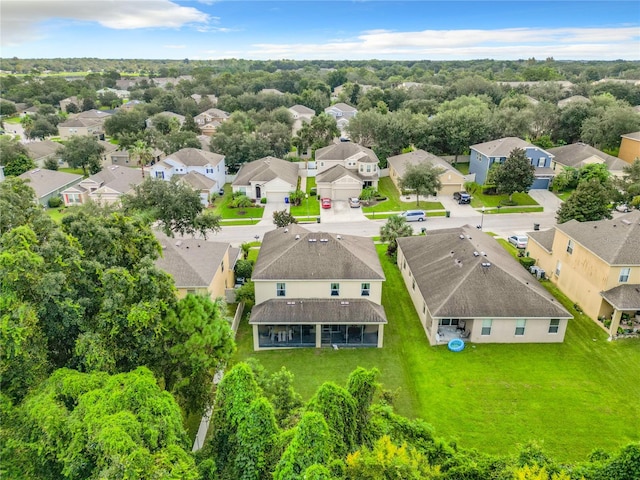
column 258, row 192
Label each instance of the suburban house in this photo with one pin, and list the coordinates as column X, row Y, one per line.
column 341, row 110
column 41, row 151
column 204, row 171
column 198, row 266
column 464, row 284
column 122, row 157
column 178, row 118
column 271, row 91
column 269, row 177
column 105, row 187
column 211, row 97
column 211, row 115
column 483, row 155
column 65, row 102
column 344, row 169
column 452, row 180
column 300, row 115
column 121, row 94
column 80, row 126
column 596, row 264
column 49, row 183
column 573, row 99
column 579, row 154
column 630, row 147
column 130, row 105
column 316, row 289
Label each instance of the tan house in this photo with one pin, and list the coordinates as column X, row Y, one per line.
column 269, row 177
column 630, row 147
column 316, row 289
column 211, row 115
column 596, row 264
column 105, row 187
column 300, row 115
column 344, row 169
column 80, row 126
column 464, row 284
column 452, row 180
column 198, row 266
column 579, row 154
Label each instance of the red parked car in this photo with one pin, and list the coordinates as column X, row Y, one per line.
column 326, row 203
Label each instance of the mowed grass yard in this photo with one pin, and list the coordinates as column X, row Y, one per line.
column 393, row 203
column 573, row 397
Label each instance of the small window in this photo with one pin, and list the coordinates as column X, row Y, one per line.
column 335, row 289
column 368, row 168
column 404, row 264
column 558, row 268
column 520, row 326
column 424, row 307
column 554, row 325
column 486, row 327
column 570, row 247
column 542, row 161
column 365, row 289
column 281, row 290
column 413, row 284
column 624, row 275
column 191, row 292
column 222, row 266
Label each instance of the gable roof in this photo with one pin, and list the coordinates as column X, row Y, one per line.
column 623, row 297
column 303, row 110
column 198, row 181
column 335, row 173
column 41, row 149
column 503, row 147
column 574, row 155
column 214, row 112
column 192, row 262
column 343, row 107
column 544, row 238
column 464, row 273
column 318, row 310
column 196, row 157
column 45, row 182
column 266, row 169
column 287, row 254
column 400, row 162
column 80, row 123
column 632, row 136
column 117, row 178
column 615, row 241
column 343, row 150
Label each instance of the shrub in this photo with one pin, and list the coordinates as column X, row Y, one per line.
column 55, row 202
column 240, row 201
column 263, row 201
column 51, row 164
column 527, row 262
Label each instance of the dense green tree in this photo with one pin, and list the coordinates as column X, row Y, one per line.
column 125, row 122
column 175, row 206
column 19, row 207
column 41, row 129
column 516, row 174
column 590, row 201
column 362, row 386
column 178, row 140
column 143, row 153
column 394, row 228
column 604, row 130
column 423, row 179
column 282, row 218
column 243, row 268
column 83, row 151
column 51, row 164
column 629, row 184
column 18, row 165
column 599, row 171
column 7, row 108
column 190, row 125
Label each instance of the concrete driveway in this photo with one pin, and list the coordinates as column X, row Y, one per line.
column 340, row 211
column 547, row 199
column 269, row 208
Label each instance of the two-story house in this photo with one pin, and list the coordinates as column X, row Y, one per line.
column 316, row 289
column 344, row 169
column 483, row 155
column 464, row 284
column 204, row 171
column 81, row 127
column 630, row 147
column 342, row 114
column 596, row 264
column 211, row 115
column 300, row 115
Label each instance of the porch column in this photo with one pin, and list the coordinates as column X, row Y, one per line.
column 380, row 335
column 318, row 335
column 256, row 338
column 615, row 322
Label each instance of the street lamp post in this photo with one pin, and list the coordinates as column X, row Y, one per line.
column 481, row 220
column 306, row 197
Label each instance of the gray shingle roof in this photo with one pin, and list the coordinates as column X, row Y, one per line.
column 302, row 109
column 42, row 149
column 632, row 136
column 348, row 257
column 80, row 122
column 623, row 297
column 46, row 181
column 266, row 169
column 341, row 106
column 120, row 179
column 457, row 285
column 316, row 310
column 192, row 262
column 502, row 147
column 575, row 154
column 198, row 181
column 400, row 162
column 196, row 157
column 544, row 238
column 344, row 150
column 334, row 173
column 616, row 241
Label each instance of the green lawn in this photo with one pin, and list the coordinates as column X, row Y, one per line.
column 502, row 210
column 11, row 120
column 77, row 171
column 574, row 397
column 56, row 214
column 564, row 195
column 393, row 203
column 463, row 168
column 479, row 199
column 223, row 209
column 309, row 206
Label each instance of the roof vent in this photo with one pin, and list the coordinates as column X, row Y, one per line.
column 286, row 230
column 313, row 240
column 291, row 303
column 297, row 237
column 324, row 240
column 338, row 237
column 344, row 304
column 485, row 264
column 178, row 243
column 484, row 254
column 625, row 221
column 461, row 237
column 476, row 254
column 451, row 253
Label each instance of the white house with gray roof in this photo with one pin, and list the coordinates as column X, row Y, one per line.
column 344, row 169
column 268, row 177
column 316, row 289
column 104, row 187
column 464, row 284
column 577, row 155
column 483, row 155
column 49, row 183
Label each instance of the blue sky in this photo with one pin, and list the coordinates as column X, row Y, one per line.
column 402, row 30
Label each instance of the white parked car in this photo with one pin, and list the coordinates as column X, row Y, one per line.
column 623, row 208
column 414, row 215
column 519, row 241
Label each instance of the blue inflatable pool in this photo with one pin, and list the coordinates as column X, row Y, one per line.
column 456, row 345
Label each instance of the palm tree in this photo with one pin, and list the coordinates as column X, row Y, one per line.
column 395, row 228
column 143, row 153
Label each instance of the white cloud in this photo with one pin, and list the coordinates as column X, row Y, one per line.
column 509, row 43
column 21, row 18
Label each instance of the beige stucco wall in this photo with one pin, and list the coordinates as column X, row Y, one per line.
column 629, row 150
column 266, row 290
column 451, row 181
column 222, row 279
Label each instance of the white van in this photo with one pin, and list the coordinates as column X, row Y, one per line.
column 414, row 215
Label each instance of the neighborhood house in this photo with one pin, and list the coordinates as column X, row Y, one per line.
column 269, row 178
column 344, row 169
column 451, row 179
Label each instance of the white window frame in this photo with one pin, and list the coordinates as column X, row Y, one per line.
column 554, row 325
column 570, row 246
column 487, row 323
column 365, row 289
column 521, row 325
column 558, row 268
column 542, row 162
column 625, row 273
column 281, row 289
column 335, row 289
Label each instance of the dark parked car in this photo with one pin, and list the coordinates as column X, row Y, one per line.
column 462, row 197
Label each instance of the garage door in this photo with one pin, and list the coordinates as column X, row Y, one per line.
column 345, row 193
column 541, row 184
column 450, row 189
column 276, row 197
